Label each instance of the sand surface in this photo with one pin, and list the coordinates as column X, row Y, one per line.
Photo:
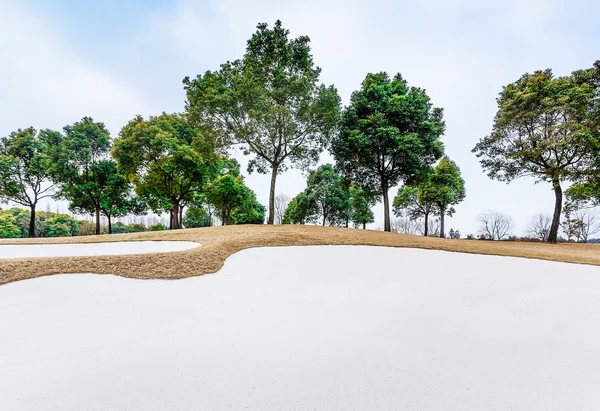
column 92, row 249
column 309, row 328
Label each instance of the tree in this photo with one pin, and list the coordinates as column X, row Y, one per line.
column 249, row 212
column 543, row 129
column 281, row 203
column 24, row 170
column 80, row 164
column 360, row 206
column 415, row 202
column 300, row 209
column 114, row 195
column 8, row 226
column 390, row 132
column 447, row 189
column 269, row 103
column 326, row 190
column 539, row 227
column 589, row 224
column 235, row 202
column 197, row 216
column 494, row 225
column 167, row 160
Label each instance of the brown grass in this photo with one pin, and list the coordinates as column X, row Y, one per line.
column 218, row 243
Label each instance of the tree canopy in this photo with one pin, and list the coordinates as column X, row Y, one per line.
column 447, row 189
column 269, row 103
column 167, row 160
column 24, row 163
column 80, row 164
column 390, row 132
column 544, row 128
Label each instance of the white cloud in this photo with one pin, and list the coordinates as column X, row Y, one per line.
column 45, row 84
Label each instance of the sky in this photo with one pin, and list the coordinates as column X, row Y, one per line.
column 61, row 60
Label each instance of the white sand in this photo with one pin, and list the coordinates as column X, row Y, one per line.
column 93, row 249
column 313, row 328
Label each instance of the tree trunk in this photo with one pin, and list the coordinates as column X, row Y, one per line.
column 364, row 225
column 175, row 213
column 181, row 217
column 426, row 230
column 442, row 234
column 170, row 219
column 553, row 235
column 271, row 219
column 109, row 224
column 386, row 208
column 97, row 219
column 32, row 222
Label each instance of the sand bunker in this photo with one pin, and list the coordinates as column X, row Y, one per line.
column 327, row 328
column 92, row 249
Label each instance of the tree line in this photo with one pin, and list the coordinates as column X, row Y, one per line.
column 271, row 105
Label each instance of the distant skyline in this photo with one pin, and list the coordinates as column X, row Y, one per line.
column 62, row 60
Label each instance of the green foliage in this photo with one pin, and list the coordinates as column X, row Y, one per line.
column 157, row 227
column 136, row 228
column 235, row 203
column 544, row 128
column 23, row 220
column 270, row 103
column 390, row 132
column 119, row 228
column 300, row 210
column 80, row 165
column 56, row 225
column 24, row 166
column 167, row 160
column 448, row 186
column 250, row 212
column 360, row 206
column 196, row 216
column 326, row 190
column 8, row 226
column 328, row 199
column 47, row 224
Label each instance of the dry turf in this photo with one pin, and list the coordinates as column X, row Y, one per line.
column 218, row 243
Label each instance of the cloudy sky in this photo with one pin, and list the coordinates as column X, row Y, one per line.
column 61, row 60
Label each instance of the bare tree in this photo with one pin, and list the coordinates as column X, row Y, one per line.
column 588, row 224
column 494, row 225
column 405, row 225
column 539, row 227
column 281, row 203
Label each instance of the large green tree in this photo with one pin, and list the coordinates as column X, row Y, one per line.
column 167, row 160
column 24, row 165
column 390, row 132
column 80, row 163
column 545, row 129
column 447, row 189
column 269, row 103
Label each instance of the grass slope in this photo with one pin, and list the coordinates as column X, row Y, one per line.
column 218, row 243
